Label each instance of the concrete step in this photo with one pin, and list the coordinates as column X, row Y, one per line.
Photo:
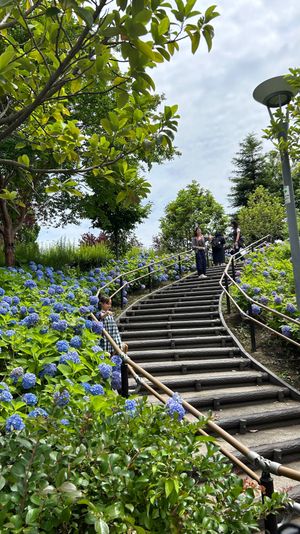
column 181, row 354
column 169, row 316
column 217, row 341
column 161, row 304
column 174, row 333
column 163, row 310
column 127, row 324
column 190, row 366
column 230, row 396
column 212, row 381
column 185, row 298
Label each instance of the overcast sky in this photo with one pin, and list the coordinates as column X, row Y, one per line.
column 254, row 40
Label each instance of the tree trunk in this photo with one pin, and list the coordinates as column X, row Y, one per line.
column 8, row 235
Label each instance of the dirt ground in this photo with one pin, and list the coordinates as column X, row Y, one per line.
column 281, row 357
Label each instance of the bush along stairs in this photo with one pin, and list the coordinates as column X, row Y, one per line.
column 178, row 335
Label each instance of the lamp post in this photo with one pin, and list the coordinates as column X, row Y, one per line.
column 277, row 93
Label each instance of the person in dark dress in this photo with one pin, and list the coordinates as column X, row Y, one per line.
column 217, row 247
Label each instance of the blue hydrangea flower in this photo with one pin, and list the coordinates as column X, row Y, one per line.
column 49, row 369
column 86, row 386
column 264, row 300
column 5, row 396
column 256, row 290
column 96, row 348
column 58, row 307
column 105, row 370
column 84, row 310
column 286, row 330
column 38, row 412
column 255, row 309
column 62, row 346
column 61, row 398
column 60, row 326
column 116, row 381
column 97, row 327
column 282, row 273
column 70, row 357
column 94, row 300
column 30, row 284
column 46, row 301
column 64, row 422
column 277, row 299
column 16, row 373
column 31, row 320
column 96, row 389
column 130, row 406
column 8, row 300
column 245, row 287
column 30, row 399
column 2, row 291
column 76, row 342
column 54, row 317
column 3, row 385
column 175, row 409
column 44, row 330
column 266, row 274
column 290, row 308
column 14, row 422
column 28, row 380
column 10, row 333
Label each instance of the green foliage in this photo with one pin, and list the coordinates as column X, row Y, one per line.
column 268, row 278
column 62, row 254
column 264, row 214
column 249, row 171
column 193, row 206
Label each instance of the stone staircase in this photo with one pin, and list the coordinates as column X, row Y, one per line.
column 176, row 334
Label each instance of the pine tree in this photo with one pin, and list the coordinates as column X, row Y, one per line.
column 250, row 171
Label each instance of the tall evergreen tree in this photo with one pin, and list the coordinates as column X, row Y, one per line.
column 249, row 172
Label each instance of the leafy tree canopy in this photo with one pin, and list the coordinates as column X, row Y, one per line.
column 193, row 206
column 264, row 214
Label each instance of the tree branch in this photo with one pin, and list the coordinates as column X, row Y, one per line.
column 15, row 21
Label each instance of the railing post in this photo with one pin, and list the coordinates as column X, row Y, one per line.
column 179, row 265
column 149, row 278
column 121, row 293
column 227, row 296
column 207, row 257
column 252, row 330
column 124, row 379
column 270, row 521
column 233, row 268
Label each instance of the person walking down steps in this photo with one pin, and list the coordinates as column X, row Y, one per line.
column 198, row 245
column 217, row 247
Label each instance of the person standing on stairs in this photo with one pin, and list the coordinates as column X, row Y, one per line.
column 217, row 246
column 198, row 245
column 105, row 314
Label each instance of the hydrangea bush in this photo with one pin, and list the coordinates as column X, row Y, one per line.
column 74, row 455
column 267, row 277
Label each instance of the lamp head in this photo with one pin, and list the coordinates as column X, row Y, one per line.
column 274, row 93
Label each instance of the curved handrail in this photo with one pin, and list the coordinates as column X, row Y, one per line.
column 251, row 300
column 150, row 264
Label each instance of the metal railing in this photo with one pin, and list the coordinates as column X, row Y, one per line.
column 228, row 280
column 180, row 258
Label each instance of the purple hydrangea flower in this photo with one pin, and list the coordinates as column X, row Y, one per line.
column 290, row 308
column 277, row 299
column 61, row 398
column 14, row 422
column 264, row 300
column 30, row 399
column 105, row 370
column 38, row 412
column 28, row 380
column 49, row 369
column 256, row 290
column 266, row 274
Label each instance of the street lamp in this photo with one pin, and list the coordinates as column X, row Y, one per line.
column 276, row 93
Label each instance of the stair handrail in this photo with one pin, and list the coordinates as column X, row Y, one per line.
column 255, row 458
column 225, row 287
column 148, row 265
